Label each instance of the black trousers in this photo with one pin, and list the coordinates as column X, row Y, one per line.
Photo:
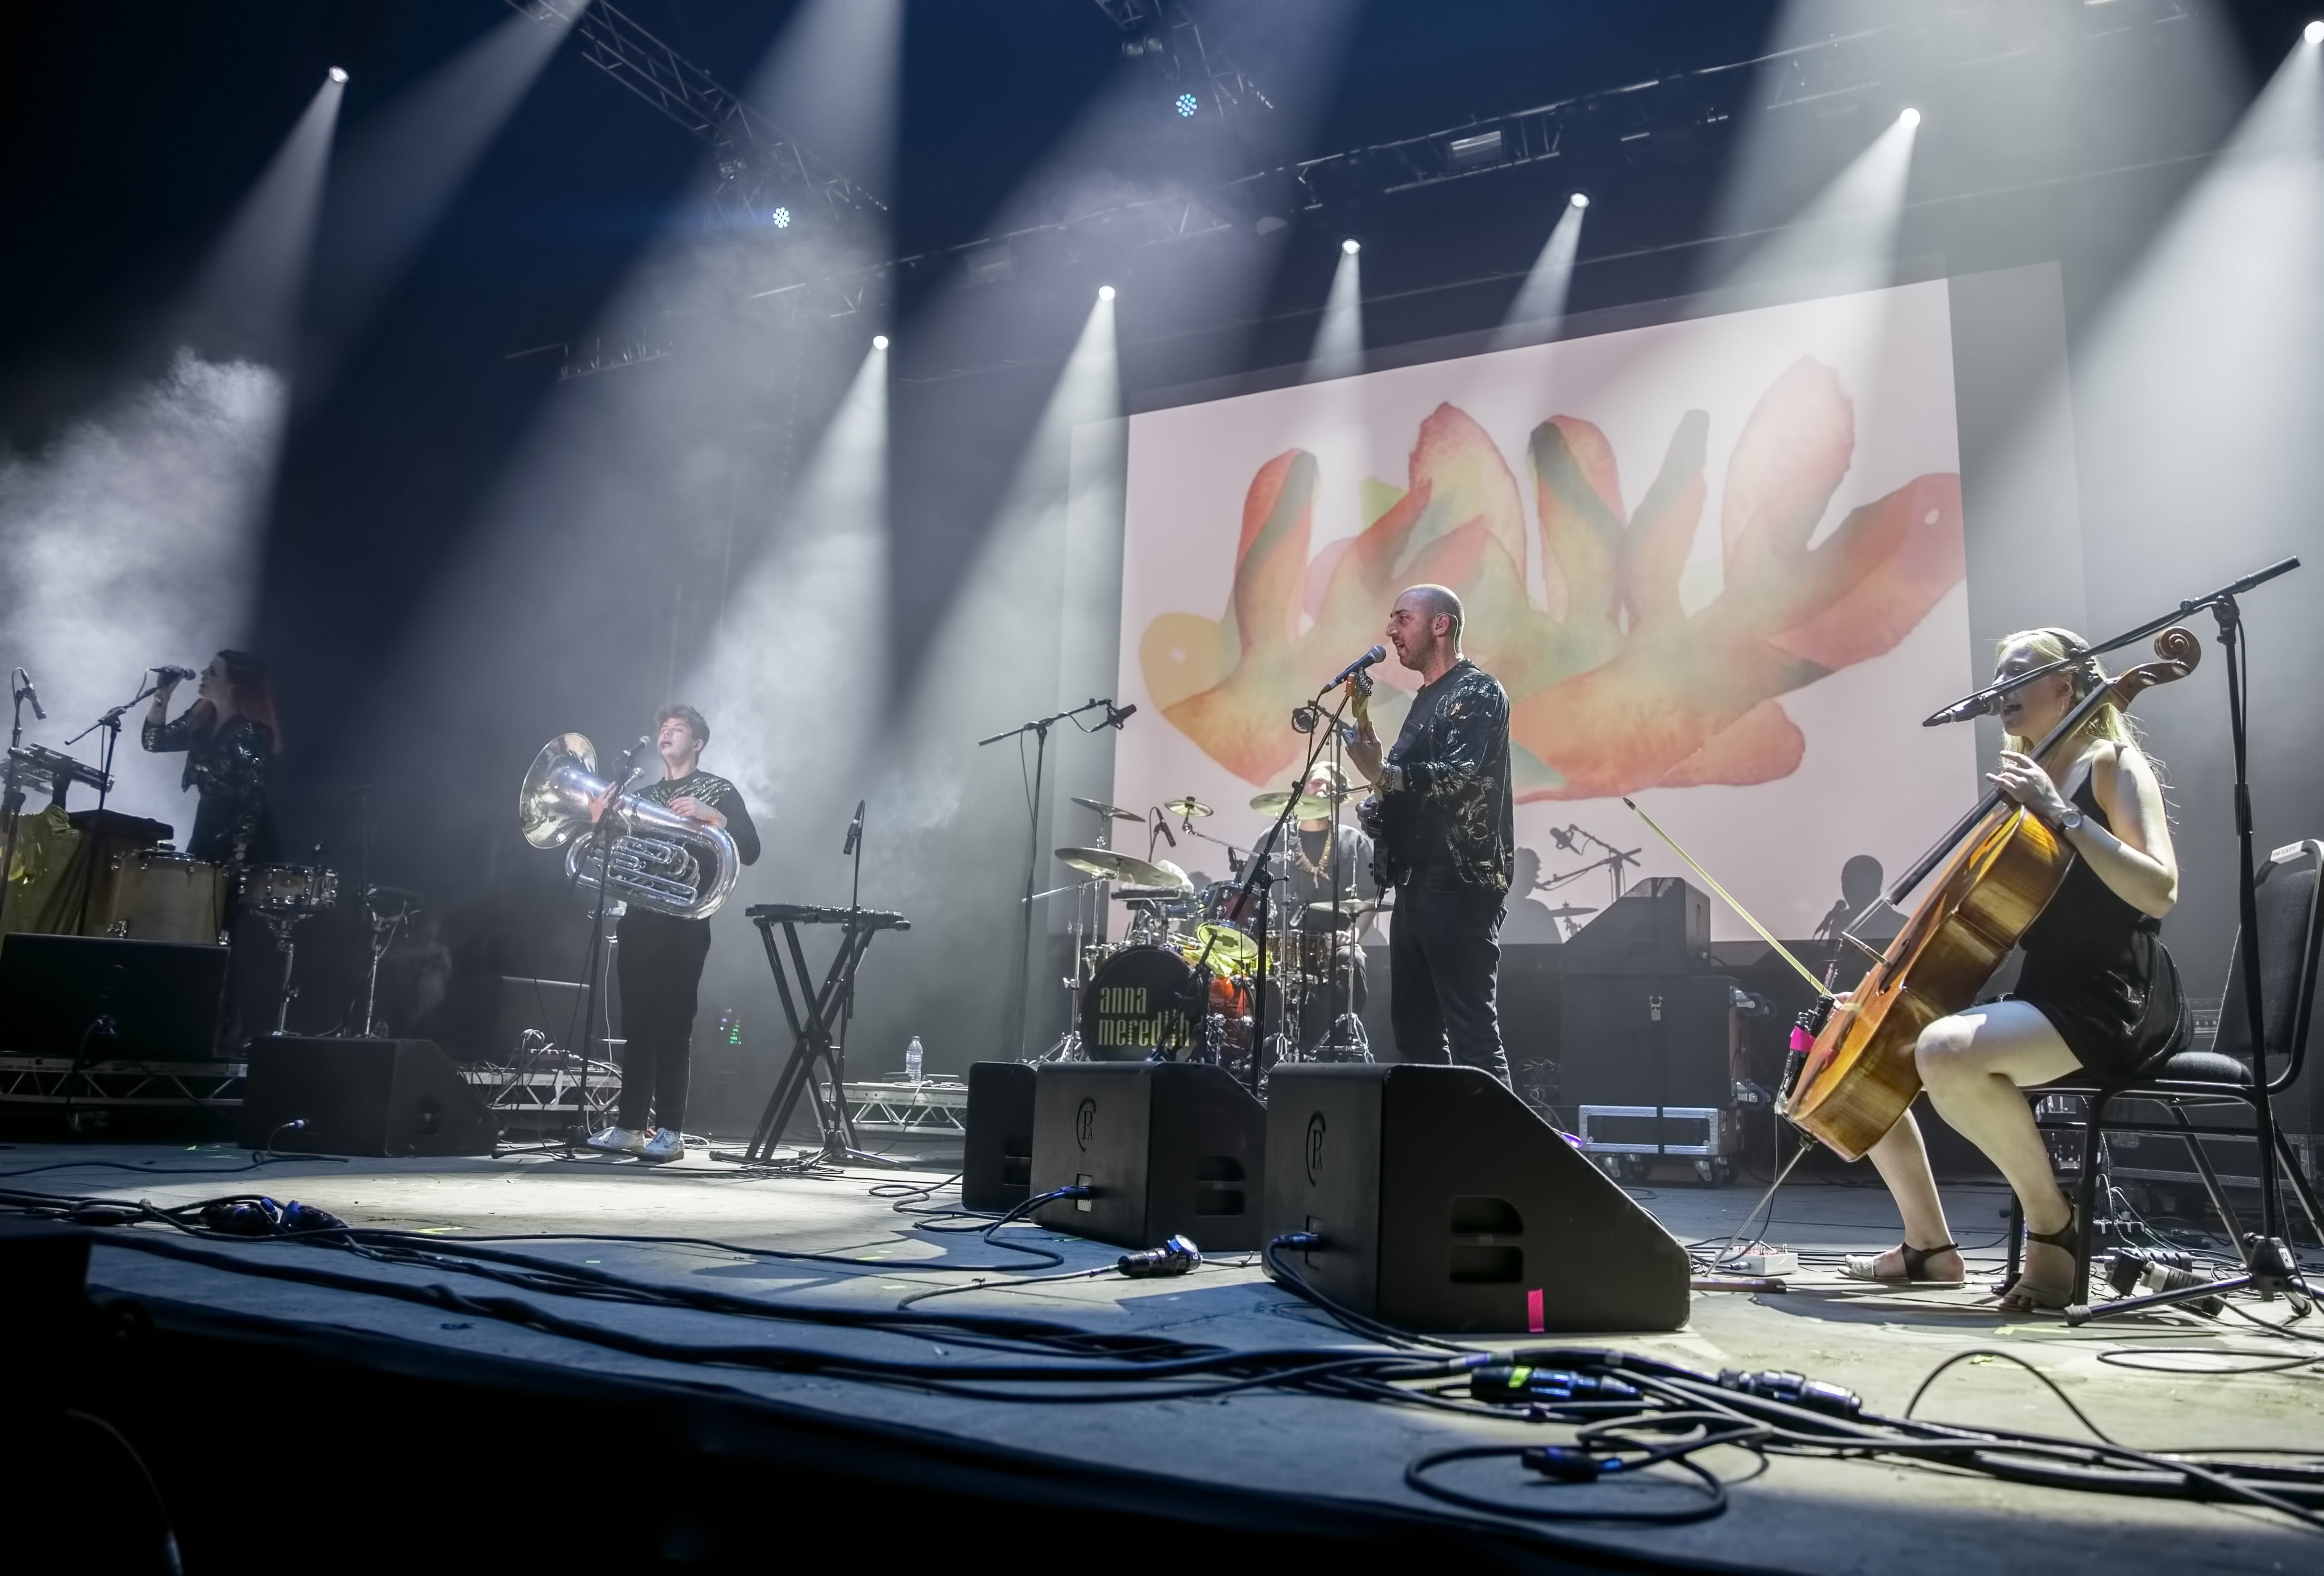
column 1444, row 961
column 660, row 968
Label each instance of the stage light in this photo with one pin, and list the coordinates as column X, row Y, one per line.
column 2313, row 33
column 1106, row 292
column 1580, row 199
column 878, row 341
column 782, row 217
column 1910, row 118
column 339, row 73
column 1187, row 105
column 1351, row 248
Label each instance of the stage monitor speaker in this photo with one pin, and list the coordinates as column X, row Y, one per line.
column 1661, row 925
column 362, row 1096
column 996, row 1168
column 1165, row 1148
column 98, row 999
column 1444, row 1203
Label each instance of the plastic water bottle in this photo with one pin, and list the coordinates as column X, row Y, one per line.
column 912, row 1061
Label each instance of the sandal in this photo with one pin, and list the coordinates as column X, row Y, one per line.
column 2028, row 1295
column 1861, row 1267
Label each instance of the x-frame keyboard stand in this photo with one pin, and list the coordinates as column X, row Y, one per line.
column 811, row 1011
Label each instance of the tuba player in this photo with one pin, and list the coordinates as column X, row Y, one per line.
column 661, row 955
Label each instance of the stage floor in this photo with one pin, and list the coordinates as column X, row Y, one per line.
column 1799, row 1514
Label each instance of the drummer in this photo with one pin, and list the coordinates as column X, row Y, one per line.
column 1330, row 854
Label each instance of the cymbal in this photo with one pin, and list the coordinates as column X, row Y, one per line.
column 1569, row 910
column 1188, row 808
column 1309, row 808
column 1148, row 893
column 1112, row 866
column 1102, row 808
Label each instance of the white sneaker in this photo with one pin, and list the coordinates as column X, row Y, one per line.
column 667, row 1143
column 619, row 1140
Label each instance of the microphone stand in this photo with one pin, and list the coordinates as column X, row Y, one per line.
column 12, row 797
column 854, row 908
column 1040, row 729
column 602, row 834
column 111, row 722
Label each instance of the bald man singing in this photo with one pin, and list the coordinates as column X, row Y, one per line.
column 1446, row 837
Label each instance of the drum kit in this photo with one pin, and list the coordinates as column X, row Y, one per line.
column 1182, row 983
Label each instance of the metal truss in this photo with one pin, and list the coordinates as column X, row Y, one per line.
column 937, row 1106
column 123, row 1085
column 1166, row 33
column 760, row 166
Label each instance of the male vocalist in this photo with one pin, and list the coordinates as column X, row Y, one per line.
column 1446, row 833
column 661, row 956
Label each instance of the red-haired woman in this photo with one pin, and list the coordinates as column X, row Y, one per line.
column 230, row 737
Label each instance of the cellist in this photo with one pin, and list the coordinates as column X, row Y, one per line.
column 2098, row 992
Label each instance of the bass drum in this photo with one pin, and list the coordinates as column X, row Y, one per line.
column 1140, row 1006
column 153, row 895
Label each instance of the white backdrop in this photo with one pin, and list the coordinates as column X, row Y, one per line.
column 1653, row 531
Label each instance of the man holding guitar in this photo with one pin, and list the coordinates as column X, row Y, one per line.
column 1441, row 820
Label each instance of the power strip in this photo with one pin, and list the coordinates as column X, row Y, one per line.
column 1770, row 1261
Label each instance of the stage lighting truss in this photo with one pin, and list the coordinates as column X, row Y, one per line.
column 1163, row 33
column 760, row 169
column 781, row 217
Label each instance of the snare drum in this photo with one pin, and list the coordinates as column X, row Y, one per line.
column 289, row 888
column 155, row 895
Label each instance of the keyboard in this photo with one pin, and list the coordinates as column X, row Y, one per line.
column 810, row 914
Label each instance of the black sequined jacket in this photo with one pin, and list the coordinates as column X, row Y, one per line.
column 1449, row 819
column 228, row 763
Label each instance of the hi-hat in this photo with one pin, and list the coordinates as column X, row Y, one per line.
column 1102, row 808
column 1309, row 808
column 1187, row 808
column 1112, row 866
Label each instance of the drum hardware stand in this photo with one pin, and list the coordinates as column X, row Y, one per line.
column 1040, row 729
column 382, row 936
column 812, row 1047
column 283, row 922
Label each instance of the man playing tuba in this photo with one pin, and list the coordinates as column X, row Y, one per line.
column 661, row 955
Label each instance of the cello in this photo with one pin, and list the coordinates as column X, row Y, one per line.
column 1859, row 1076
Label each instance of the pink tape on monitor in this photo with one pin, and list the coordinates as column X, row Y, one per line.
column 1532, row 1312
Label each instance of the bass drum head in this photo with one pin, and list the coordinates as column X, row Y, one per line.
column 1141, row 1001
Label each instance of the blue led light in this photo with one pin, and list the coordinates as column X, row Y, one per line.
column 782, row 217
column 1188, row 104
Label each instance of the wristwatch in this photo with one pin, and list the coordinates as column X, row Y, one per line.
column 2072, row 819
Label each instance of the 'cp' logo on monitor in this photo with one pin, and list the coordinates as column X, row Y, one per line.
column 1315, row 1146
column 1085, row 1123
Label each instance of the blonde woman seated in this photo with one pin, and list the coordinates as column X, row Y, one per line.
column 2098, row 995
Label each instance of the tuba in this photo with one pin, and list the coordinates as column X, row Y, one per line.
column 651, row 856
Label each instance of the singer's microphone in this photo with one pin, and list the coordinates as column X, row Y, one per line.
column 1376, row 653
column 1980, row 705
column 1115, row 720
column 171, row 671
column 24, row 686
column 854, row 829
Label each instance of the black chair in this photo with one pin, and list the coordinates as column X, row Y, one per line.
column 2230, row 1073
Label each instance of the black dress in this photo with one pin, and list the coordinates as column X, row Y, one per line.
column 229, row 763
column 2098, row 969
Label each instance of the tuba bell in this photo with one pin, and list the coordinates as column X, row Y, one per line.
column 651, row 855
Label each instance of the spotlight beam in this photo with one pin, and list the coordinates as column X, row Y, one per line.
column 1540, row 301
column 1338, row 347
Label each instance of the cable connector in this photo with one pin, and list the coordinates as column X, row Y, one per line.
column 1296, row 1241
column 1174, row 1258
column 1793, row 1390
column 1522, row 1384
column 1566, row 1464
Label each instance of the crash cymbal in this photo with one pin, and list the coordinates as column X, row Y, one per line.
column 1569, row 910
column 1112, row 866
column 1309, row 808
column 1150, row 893
column 1349, row 913
column 1102, row 808
column 1187, row 808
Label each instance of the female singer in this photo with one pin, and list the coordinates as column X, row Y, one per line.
column 2098, row 992
column 230, row 737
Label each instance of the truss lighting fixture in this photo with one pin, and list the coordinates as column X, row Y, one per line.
column 1187, row 105
column 339, row 73
column 1351, row 246
column 782, row 217
column 878, row 341
column 2313, row 33
column 1910, row 118
column 1106, row 292
column 1580, row 199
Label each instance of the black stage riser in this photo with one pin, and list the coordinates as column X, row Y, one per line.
column 1167, row 1148
column 1446, row 1204
column 94, row 998
column 1649, row 1040
column 362, row 1096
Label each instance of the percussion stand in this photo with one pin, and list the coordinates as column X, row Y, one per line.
column 1040, row 729
column 1347, row 1032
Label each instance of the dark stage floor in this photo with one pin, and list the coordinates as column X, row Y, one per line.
column 1798, row 1515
